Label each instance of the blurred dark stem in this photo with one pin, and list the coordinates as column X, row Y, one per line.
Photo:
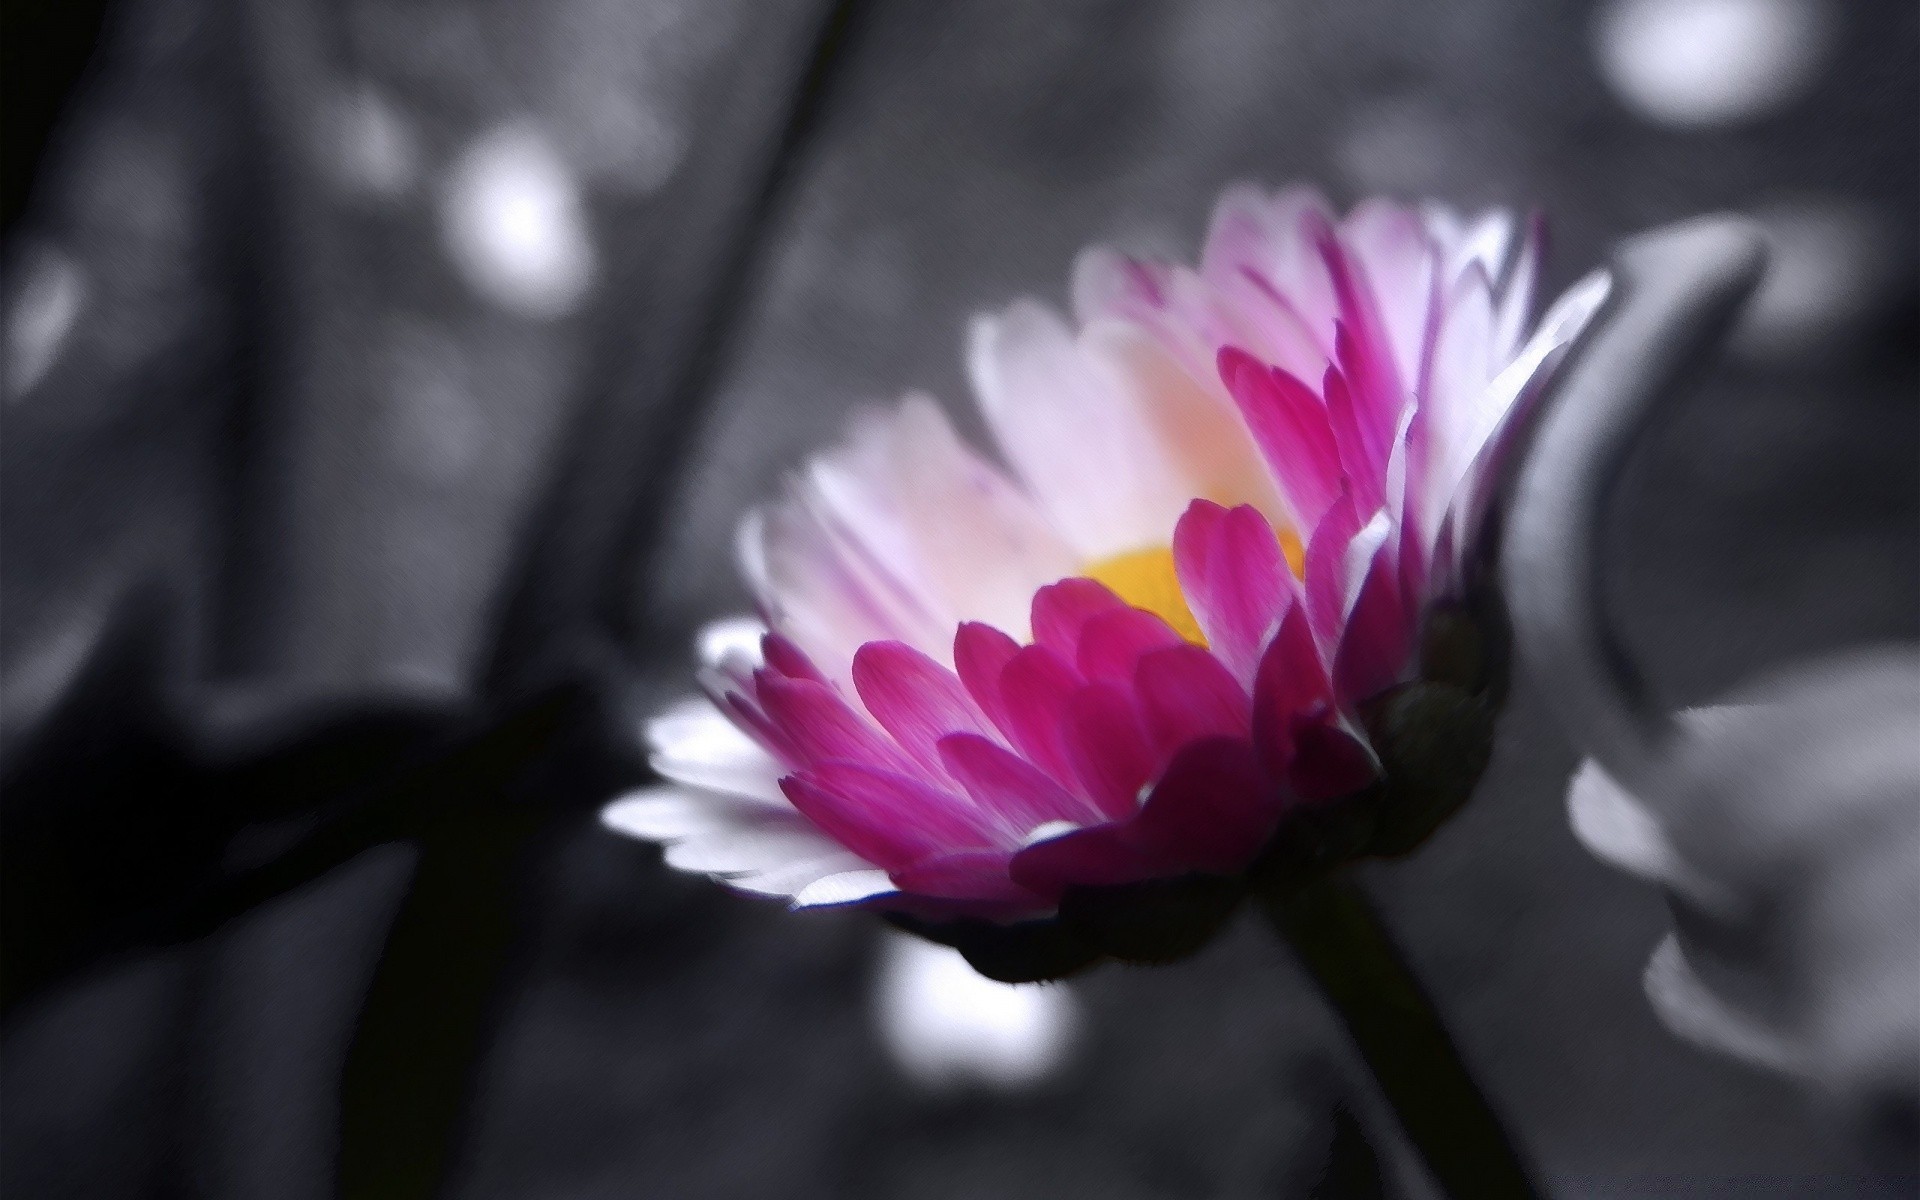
column 599, row 525
column 1342, row 942
column 1352, row 1170
column 448, row 970
column 46, row 47
column 414, row 1054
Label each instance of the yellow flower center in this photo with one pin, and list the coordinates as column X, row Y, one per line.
column 1147, row 579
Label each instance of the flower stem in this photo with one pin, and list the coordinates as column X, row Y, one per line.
column 1340, row 939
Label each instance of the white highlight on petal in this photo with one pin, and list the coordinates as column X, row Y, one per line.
column 1711, row 62
column 1359, row 558
column 1692, row 1011
column 513, row 223
column 947, row 1026
column 41, row 316
column 848, row 887
column 1048, row 830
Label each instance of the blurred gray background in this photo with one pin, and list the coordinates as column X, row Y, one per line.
column 333, row 320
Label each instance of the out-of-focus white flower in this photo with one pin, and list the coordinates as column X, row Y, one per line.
column 1784, row 826
column 947, row 1026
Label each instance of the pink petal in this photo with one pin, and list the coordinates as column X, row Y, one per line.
column 1363, row 446
column 1186, row 694
column 1328, row 762
column 1034, row 688
column 1284, row 336
column 978, row 875
column 1326, row 569
column 1103, row 856
column 1291, row 685
column 1109, row 749
column 888, row 819
column 732, row 695
column 1061, row 610
column 980, row 654
column 1112, row 643
column 1376, row 645
column 915, row 699
column 1289, row 423
column 819, row 726
column 1361, row 344
column 788, row 659
column 1014, row 792
column 1235, row 578
column 1212, row 810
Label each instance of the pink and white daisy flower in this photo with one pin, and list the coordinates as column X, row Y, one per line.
column 1233, row 501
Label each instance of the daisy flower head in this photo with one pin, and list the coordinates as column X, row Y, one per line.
column 1219, row 606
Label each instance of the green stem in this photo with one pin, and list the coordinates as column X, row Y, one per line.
column 1344, row 946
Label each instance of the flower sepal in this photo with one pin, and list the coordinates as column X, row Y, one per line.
column 1037, row 951
column 1153, row 922
column 1434, row 741
column 1467, row 643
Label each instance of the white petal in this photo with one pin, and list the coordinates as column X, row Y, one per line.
column 1619, row 828
column 847, row 887
column 1394, row 250
column 789, row 879
column 753, row 847
column 901, row 533
column 1445, row 226
column 664, row 814
column 1693, row 1011
column 1516, row 291
column 1398, row 470
column 1267, row 234
column 1197, row 425
column 1046, row 831
column 1564, row 322
column 820, row 588
column 1488, row 240
column 694, row 743
column 981, row 546
column 1463, row 366
column 1068, row 421
column 750, row 552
